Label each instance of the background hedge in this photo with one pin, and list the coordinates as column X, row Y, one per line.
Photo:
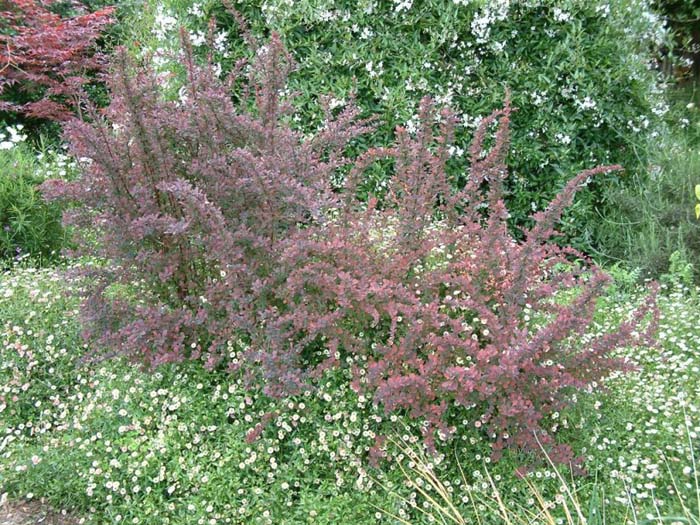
column 580, row 72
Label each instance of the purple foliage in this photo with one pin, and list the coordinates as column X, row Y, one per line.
column 222, row 225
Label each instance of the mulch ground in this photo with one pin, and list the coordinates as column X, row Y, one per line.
column 32, row 513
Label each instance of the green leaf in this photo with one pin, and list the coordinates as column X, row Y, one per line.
column 697, row 191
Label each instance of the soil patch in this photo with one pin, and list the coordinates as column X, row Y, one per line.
column 32, row 513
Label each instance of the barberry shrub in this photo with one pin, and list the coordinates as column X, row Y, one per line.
column 47, row 59
column 582, row 74
column 222, row 238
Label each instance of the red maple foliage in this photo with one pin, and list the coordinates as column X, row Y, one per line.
column 224, row 239
column 46, row 57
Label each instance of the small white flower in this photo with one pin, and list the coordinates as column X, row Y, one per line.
column 374, row 71
column 560, row 15
column 220, row 41
column 195, row 10
column 563, row 138
column 402, row 5
column 335, row 103
column 603, row 10
column 198, row 38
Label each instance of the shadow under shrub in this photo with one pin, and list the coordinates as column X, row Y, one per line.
column 224, row 240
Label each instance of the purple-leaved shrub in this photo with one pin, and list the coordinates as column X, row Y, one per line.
column 221, row 237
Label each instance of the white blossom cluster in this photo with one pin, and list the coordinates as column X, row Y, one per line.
column 12, row 136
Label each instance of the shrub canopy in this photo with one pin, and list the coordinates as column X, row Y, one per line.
column 223, row 238
column 579, row 72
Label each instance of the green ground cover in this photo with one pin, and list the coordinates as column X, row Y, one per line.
column 112, row 443
column 116, row 444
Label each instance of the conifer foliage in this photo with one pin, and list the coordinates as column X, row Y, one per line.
column 222, row 238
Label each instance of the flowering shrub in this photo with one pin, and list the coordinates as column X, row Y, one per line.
column 580, row 73
column 223, row 238
column 46, row 59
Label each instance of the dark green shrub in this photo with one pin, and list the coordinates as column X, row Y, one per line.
column 29, row 227
column 653, row 217
column 683, row 16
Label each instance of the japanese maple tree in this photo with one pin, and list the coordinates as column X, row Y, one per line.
column 46, row 59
